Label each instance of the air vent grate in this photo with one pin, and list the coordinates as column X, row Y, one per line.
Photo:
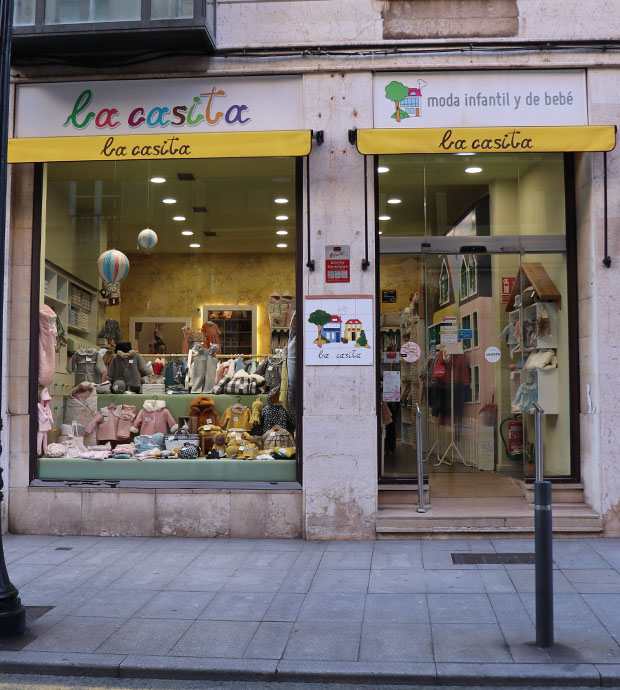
column 493, row 558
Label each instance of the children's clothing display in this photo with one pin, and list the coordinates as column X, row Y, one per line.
column 81, row 407
column 158, row 367
column 203, row 408
column 277, row 437
column 237, row 416
column 203, row 368
column 127, row 368
column 271, row 369
column 47, row 345
column 87, row 364
column 291, row 364
column 190, row 338
column 527, row 395
column 46, row 420
column 113, row 422
column 210, row 334
column 154, row 418
column 272, row 415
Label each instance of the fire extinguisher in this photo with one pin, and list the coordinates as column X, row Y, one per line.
column 514, row 444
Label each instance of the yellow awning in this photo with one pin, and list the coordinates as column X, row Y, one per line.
column 160, row 146
column 487, row 139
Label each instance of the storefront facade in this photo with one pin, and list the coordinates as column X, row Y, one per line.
column 452, row 269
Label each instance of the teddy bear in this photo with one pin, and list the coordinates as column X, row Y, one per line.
column 219, row 444
column 232, row 447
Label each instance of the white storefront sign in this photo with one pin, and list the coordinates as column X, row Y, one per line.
column 338, row 331
column 154, row 106
column 404, row 100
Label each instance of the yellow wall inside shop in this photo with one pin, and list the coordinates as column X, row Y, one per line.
column 402, row 273
column 178, row 285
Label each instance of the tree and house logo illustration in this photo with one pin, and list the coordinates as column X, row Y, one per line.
column 330, row 329
column 407, row 101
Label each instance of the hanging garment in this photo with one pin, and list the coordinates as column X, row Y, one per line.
column 270, row 416
column 237, row 416
column 128, row 368
column 203, row 368
column 210, row 334
column 154, row 418
column 291, row 365
column 271, row 369
column 46, row 420
column 47, row 345
column 113, row 422
column 87, row 364
column 203, row 408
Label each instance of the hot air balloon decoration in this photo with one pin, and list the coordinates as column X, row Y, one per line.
column 147, row 238
column 112, row 266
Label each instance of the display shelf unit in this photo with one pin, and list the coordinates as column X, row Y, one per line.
column 238, row 331
column 530, row 318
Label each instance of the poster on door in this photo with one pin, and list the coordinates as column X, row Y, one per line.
column 338, row 331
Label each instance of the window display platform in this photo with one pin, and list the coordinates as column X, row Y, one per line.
column 201, row 469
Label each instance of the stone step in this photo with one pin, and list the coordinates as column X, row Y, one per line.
column 560, row 493
column 401, row 495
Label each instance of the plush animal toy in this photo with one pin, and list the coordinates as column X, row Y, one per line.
column 257, row 406
column 219, row 444
column 232, row 448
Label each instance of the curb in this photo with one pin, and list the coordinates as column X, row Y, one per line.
column 366, row 673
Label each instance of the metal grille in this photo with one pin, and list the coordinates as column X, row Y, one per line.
column 493, row 558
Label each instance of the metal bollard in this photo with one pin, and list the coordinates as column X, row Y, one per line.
column 543, row 542
column 418, row 428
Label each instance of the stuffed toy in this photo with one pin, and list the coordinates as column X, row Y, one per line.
column 248, row 451
column 232, row 448
column 210, row 430
column 219, row 444
column 257, row 406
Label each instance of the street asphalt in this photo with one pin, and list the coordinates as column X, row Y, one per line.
column 289, row 611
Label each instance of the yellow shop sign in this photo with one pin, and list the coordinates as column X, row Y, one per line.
column 487, row 139
column 160, row 146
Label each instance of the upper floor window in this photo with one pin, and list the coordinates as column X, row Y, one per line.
column 23, row 12
column 172, row 9
column 86, row 11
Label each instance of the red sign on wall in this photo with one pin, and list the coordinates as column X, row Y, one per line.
column 507, row 284
column 337, row 264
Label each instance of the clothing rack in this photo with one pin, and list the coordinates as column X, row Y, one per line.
column 163, row 356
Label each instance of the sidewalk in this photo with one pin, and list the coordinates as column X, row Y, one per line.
column 376, row 612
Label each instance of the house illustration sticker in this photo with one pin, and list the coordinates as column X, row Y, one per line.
column 407, row 101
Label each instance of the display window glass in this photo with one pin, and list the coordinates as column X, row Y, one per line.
column 167, row 321
column 476, row 251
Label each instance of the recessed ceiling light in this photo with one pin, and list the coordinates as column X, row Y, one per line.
column 281, row 245
column 158, row 180
column 281, row 217
column 393, row 201
column 281, row 232
column 382, row 169
column 281, row 200
column 473, row 170
column 187, row 232
column 465, row 154
column 380, row 232
column 385, row 217
column 178, row 217
column 194, row 245
column 169, row 201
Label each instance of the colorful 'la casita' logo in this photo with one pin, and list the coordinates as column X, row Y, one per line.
column 407, row 100
column 195, row 113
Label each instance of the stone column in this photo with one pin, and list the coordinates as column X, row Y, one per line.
column 339, row 415
column 599, row 311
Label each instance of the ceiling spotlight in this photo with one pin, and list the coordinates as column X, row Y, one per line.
column 187, row 232
column 281, row 200
column 382, row 169
column 281, row 217
column 385, row 217
column 465, row 154
column 380, row 232
column 281, row 245
column 169, row 201
column 180, row 218
column 281, row 232
column 473, row 170
column 158, row 180
column 194, row 245
column 394, row 201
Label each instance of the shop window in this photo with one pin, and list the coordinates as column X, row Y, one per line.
column 464, row 280
column 168, row 321
column 475, row 328
column 473, row 275
column 466, row 323
column 444, row 284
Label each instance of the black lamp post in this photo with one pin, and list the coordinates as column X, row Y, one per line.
column 12, row 613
